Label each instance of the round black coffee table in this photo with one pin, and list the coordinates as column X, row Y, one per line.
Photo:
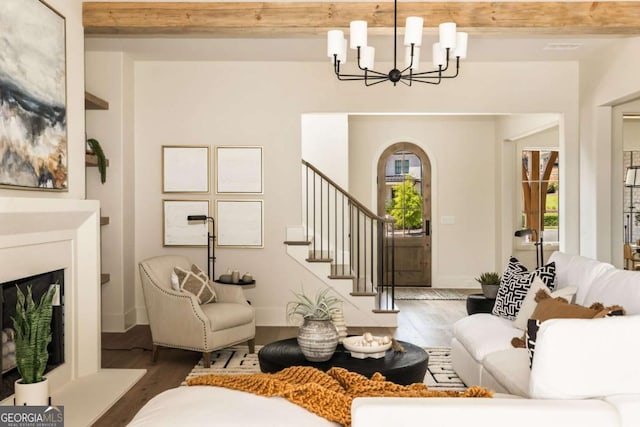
column 401, row 368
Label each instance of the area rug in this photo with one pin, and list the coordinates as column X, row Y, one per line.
column 238, row 360
column 420, row 293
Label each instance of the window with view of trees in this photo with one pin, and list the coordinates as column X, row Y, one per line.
column 540, row 194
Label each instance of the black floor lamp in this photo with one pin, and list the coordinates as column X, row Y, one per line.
column 538, row 243
column 211, row 254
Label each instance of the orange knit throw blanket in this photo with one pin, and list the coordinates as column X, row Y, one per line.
column 327, row 394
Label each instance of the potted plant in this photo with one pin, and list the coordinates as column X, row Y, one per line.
column 95, row 148
column 32, row 324
column 317, row 336
column 490, row 283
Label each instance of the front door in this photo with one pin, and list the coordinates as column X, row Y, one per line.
column 404, row 192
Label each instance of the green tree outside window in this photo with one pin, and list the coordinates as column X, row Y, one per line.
column 406, row 205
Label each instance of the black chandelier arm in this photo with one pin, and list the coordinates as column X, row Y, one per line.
column 422, row 80
column 380, row 80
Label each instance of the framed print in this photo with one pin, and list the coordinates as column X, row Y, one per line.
column 239, row 170
column 185, row 169
column 239, row 223
column 177, row 231
column 33, row 127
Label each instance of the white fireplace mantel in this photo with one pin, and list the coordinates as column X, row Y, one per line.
column 40, row 235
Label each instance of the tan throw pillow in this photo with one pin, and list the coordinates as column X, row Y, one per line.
column 190, row 282
column 529, row 303
column 201, row 274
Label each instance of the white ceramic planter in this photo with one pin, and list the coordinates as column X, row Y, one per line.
column 317, row 339
column 35, row 394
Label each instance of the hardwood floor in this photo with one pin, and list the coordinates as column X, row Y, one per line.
column 424, row 323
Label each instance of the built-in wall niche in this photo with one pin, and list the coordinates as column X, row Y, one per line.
column 9, row 297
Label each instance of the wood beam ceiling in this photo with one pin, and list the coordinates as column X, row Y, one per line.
column 249, row 19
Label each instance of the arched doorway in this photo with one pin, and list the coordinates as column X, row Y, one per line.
column 404, row 192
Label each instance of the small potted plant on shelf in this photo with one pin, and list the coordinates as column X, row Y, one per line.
column 490, row 283
column 96, row 149
column 317, row 336
column 32, row 324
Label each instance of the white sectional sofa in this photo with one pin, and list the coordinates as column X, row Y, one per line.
column 585, row 372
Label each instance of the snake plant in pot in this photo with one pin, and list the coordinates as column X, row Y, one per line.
column 32, row 324
column 317, row 336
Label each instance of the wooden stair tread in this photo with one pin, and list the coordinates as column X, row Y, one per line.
column 379, row 310
column 363, row 294
column 338, row 276
column 104, row 220
column 297, row 243
column 319, row 260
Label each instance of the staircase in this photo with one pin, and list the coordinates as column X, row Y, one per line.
column 348, row 247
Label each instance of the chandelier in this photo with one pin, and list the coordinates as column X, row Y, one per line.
column 452, row 43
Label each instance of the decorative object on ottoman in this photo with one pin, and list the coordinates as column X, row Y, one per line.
column 490, row 283
column 367, row 345
column 317, row 336
column 32, row 325
column 338, row 321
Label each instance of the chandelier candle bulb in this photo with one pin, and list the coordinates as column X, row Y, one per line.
column 416, row 58
column 367, row 55
column 448, row 35
column 358, row 34
column 335, row 39
column 413, row 31
column 461, row 45
column 439, row 56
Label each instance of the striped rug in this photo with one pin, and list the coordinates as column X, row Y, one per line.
column 238, row 360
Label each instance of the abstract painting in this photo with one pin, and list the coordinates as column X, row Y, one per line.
column 33, row 113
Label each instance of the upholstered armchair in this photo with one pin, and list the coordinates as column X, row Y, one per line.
column 178, row 320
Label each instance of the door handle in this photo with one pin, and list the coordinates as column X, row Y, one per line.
column 427, row 227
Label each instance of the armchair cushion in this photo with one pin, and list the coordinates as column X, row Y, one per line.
column 194, row 284
column 225, row 315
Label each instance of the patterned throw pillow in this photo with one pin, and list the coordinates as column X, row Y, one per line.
column 515, row 283
column 196, row 285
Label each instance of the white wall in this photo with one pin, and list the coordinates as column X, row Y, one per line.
column 110, row 76
column 605, row 81
column 220, row 103
column 72, row 11
column 462, row 152
column 631, row 134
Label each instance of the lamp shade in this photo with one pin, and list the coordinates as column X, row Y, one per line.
column 439, row 56
column 358, row 34
column 367, row 57
column 461, row 45
column 447, row 32
column 633, row 177
column 334, row 42
column 413, row 31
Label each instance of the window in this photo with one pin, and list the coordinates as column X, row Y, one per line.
column 401, row 167
column 540, row 194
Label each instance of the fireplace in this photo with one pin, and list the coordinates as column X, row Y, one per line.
column 8, row 300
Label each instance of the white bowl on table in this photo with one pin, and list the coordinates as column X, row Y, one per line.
column 356, row 347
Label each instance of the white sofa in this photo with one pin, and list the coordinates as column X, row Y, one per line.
column 584, row 372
